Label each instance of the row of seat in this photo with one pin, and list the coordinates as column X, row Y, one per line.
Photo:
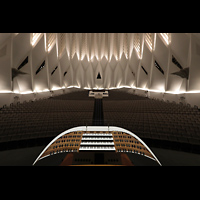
column 45, row 118
column 154, row 119
column 147, row 118
column 50, row 105
column 147, row 106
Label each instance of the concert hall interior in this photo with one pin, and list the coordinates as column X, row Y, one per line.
column 99, row 99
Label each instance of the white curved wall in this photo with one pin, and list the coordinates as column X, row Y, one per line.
column 114, row 55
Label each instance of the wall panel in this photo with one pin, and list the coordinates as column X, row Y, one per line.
column 38, row 56
column 161, row 54
column 180, row 51
column 146, row 63
column 64, row 66
column 6, row 65
column 52, row 64
column 194, row 73
column 134, row 64
column 21, row 52
column 89, row 76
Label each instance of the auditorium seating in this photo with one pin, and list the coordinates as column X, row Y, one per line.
column 153, row 119
column 45, row 118
column 149, row 119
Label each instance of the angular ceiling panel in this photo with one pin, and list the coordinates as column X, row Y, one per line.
column 113, row 62
column 85, row 62
column 108, row 79
column 118, row 75
column 89, row 77
column 101, row 60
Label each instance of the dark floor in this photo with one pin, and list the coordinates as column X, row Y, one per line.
column 26, row 157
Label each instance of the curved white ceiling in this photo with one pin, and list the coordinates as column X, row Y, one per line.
column 163, row 62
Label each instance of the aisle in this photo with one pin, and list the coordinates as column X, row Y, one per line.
column 98, row 118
